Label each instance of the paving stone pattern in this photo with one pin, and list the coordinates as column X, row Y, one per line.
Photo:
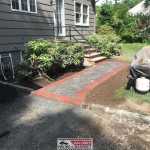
column 71, row 86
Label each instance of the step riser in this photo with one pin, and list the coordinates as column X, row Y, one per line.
column 92, row 61
column 90, row 52
column 87, row 63
column 97, row 59
column 90, row 56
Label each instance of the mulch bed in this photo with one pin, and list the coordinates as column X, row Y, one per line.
column 40, row 82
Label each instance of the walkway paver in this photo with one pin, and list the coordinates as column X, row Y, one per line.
column 74, row 89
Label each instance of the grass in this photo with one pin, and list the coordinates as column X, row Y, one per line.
column 131, row 95
column 128, row 50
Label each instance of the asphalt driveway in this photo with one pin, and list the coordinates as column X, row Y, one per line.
column 33, row 123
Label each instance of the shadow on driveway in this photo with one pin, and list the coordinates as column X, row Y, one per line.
column 32, row 123
column 42, row 133
column 11, row 104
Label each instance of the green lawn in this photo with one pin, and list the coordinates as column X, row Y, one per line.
column 131, row 95
column 127, row 53
column 128, row 50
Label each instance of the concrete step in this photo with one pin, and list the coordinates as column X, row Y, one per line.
column 87, row 63
column 91, row 49
column 90, row 61
column 82, row 40
column 97, row 59
column 91, row 55
column 86, row 46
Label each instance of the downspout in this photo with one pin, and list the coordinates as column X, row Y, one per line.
column 94, row 8
column 53, row 3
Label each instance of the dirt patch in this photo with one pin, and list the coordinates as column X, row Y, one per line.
column 126, row 133
column 105, row 94
column 135, row 106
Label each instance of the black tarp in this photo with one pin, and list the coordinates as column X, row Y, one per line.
column 140, row 66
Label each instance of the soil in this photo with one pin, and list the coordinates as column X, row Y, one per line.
column 126, row 133
column 105, row 95
column 43, row 81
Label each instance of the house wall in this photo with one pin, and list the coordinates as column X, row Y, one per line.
column 16, row 28
column 70, row 18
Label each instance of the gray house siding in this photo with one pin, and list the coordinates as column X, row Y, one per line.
column 17, row 28
column 70, row 18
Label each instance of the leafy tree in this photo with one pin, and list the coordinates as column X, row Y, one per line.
column 116, row 16
column 131, row 3
column 104, row 14
column 147, row 3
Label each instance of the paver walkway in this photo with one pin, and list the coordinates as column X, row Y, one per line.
column 74, row 89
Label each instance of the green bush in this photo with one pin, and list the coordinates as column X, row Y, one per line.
column 72, row 55
column 44, row 57
column 117, row 16
column 66, row 55
column 37, row 55
column 37, row 47
column 105, row 29
column 108, row 45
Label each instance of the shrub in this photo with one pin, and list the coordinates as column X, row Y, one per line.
column 46, row 57
column 37, row 47
column 37, row 55
column 72, row 55
column 108, row 45
column 117, row 16
column 105, row 29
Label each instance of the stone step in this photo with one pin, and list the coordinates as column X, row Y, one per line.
column 86, row 46
column 97, row 59
column 91, row 55
column 82, row 40
column 90, row 50
column 87, row 63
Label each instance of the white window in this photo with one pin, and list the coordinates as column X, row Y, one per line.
column 33, row 6
column 78, row 13
column 24, row 5
column 81, row 14
column 15, row 4
column 85, row 14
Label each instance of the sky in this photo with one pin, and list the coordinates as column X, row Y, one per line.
column 103, row 1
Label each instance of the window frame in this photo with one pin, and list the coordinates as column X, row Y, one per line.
column 79, row 13
column 87, row 14
column 82, row 14
column 28, row 6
